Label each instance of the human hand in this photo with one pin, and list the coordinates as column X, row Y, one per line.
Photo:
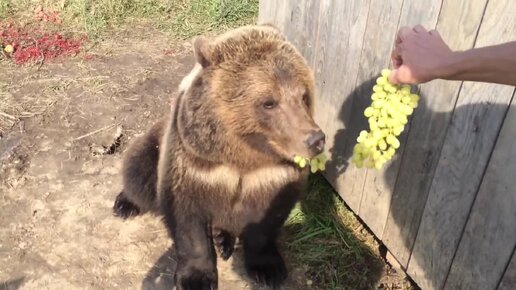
column 419, row 56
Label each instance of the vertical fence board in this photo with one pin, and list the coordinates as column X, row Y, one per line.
column 303, row 26
column 399, row 231
column 508, row 281
column 379, row 36
column 458, row 24
column 490, row 235
column 336, row 64
column 466, row 150
column 298, row 20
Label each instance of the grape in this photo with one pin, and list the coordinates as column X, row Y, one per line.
column 403, row 119
column 390, row 139
column 369, row 111
column 378, row 104
column 393, row 141
column 385, row 73
column 391, row 89
column 319, row 161
column 385, row 132
column 369, row 143
column 387, row 156
column 381, row 122
column 397, row 130
column 387, row 116
column 314, row 165
column 377, row 134
column 382, row 144
column 405, row 90
column 407, row 110
column 383, row 112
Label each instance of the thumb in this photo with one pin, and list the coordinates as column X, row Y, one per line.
column 402, row 75
column 394, row 77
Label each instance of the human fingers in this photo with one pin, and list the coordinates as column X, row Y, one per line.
column 434, row 32
column 403, row 33
column 402, row 75
column 393, row 77
column 419, row 29
column 396, row 57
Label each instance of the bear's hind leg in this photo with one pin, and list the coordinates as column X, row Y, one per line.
column 124, row 208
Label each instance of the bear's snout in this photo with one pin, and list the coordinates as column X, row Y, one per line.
column 316, row 141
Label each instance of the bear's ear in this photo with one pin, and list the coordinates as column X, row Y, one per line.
column 202, row 51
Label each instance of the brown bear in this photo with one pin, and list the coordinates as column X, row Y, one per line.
column 221, row 165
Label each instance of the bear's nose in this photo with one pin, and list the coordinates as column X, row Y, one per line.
column 315, row 141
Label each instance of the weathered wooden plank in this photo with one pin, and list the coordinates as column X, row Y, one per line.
column 299, row 21
column 337, row 60
column 264, row 10
column 490, row 235
column 275, row 12
column 465, row 153
column 397, row 233
column 302, row 26
column 379, row 37
column 414, row 12
column 508, row 281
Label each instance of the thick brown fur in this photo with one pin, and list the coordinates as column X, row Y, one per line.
column 222, row 161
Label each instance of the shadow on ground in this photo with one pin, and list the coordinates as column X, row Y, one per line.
column 12, row 284
column 161, row 275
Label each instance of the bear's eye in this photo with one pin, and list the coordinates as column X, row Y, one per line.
column 269, row 104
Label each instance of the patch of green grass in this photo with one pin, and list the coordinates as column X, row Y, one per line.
column 181, row 18
column 199, row 16
column 5, row 8
column 326, row 237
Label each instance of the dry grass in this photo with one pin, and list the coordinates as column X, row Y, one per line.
column 15, row 107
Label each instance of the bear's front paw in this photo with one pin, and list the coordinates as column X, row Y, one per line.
column 195, row 278
column 267, row 268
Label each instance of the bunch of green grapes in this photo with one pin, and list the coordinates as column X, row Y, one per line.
column 317, row 163
column 388, row 114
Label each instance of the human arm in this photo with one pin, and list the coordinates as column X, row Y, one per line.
column 420, row 56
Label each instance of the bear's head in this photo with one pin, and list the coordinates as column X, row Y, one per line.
column 249, row 100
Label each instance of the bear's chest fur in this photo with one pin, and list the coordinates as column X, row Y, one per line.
column 235, row 200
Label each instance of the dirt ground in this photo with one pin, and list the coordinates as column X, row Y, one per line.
column 60, row 166
column 60, row 171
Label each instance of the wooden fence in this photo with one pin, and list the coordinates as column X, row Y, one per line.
column 446, row 206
